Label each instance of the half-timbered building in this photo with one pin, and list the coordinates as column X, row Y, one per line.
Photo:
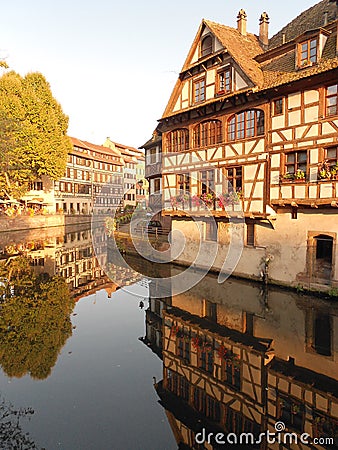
column 235, row 363
column 252, row 125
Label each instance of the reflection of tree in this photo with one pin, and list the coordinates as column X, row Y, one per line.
column 11, row 434
column 35, row 321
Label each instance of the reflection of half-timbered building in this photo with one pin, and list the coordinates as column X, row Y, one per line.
column 252, row 124
column 239, row 364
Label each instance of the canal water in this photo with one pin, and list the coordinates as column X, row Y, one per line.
column 90, row 361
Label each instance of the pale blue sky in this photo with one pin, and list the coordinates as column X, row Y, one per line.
column 112, row 65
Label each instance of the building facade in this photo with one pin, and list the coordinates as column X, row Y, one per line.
column 92, row 184
column 133, row 169
column 235, row 364
column 153, row 174
column 252, row 126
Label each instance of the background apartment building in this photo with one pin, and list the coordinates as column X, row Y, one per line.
column 98, row 179
column 135, row 186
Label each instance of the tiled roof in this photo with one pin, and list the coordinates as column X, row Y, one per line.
column 125, row 148
column 310, row 19
column 243, row 49
column 282, row 69
column 277, row 65
column 97, row 148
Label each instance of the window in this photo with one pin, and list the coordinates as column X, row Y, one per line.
column 296, row 162
column 237, row 423
column 206, row 358
column 199, row 90
column 206, row 47
column 331, row 158
column 231, row 371
column 36, row 186
column 183, row 183
column 183, row 346
column 207, row 405
column 210, row 231
column 178, row 384
column 207, row 181
column 307, row 52
column 331, row 100
column 324, row 426
column 277, row 107
column 224, row 81
column 250, row 234
column 235, row 178
column 152, row 156
column 208, row 133
column 178, row 140
column 157, row 184
column 246, row 124
column 291, row 412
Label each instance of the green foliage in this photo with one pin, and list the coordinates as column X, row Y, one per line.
column 333, row 292
column 299, row 288
column 12, row 435
column 35, row 322
column 33, row 127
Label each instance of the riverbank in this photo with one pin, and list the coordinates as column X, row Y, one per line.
column 125, row 244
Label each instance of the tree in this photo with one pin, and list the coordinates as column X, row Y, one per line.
column 33, row 127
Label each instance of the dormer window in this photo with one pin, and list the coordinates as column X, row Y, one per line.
column 206, row 46
column 308, row 52
column 310, row 46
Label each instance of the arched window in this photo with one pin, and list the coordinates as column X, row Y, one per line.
column 206, row 47
column 246, row 124
column 178, row 140
column 208, row 133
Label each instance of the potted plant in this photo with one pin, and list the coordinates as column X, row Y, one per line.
column 295, row 409
column 197, row 342
column 299, row 175
column 208, row 199
column 196, row 201
column 222, row 352
column 324, row 171
column 173, row 201
column 287, row 176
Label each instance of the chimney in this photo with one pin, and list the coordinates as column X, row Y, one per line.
column 283, row 38
column 241, row 22
column 264, row 30
column 326, row 15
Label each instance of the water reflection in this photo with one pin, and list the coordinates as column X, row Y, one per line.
column 34, row 321
column 237, row 360
column 12, row 435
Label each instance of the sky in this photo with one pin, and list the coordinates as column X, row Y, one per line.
column 112, row 64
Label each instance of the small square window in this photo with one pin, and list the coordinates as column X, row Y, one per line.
column 332, row 100
column 277, row 107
